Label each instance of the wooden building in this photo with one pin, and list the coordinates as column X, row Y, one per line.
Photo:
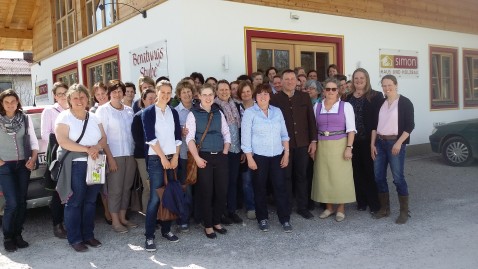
column 431, row 45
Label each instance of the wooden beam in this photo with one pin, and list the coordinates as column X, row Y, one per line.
column 33, row 17
column 11, row 10
column 16, row 33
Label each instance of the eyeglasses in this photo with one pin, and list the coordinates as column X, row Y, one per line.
column 330, row 89
column 60, row 94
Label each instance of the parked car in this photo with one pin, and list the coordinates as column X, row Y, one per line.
column 456, row 141
column 37, row 196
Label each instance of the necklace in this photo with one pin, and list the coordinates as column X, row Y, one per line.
column 117, row 108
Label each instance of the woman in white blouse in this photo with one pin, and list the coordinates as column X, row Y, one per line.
column 116, row 119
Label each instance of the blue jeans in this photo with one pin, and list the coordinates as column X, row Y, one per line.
column 14, row 177
column 384, row 157
column 248, row 189
column 80, row 209
column 156, row 181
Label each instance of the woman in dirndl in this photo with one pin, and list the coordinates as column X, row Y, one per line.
column 333, row 175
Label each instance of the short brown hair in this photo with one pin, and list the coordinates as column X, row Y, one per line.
column 262, row 88
column 242, row 85
column 58, row 84
column 113, row 85
column 183, row 84
column 95, row 87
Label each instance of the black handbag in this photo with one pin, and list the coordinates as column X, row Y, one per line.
column 57, row 165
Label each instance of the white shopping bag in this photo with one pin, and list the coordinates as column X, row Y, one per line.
column 95, row 173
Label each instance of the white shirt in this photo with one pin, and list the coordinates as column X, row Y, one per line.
column 117, row 126
column 164, row 131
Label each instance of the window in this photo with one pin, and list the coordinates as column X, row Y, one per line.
column 97, row 18
column 288, row 50
column 443, row 78
column 65, row 23
column 103, row 71
column 470, row 78
column 4, row 85
column 67, row 74
column 103, row 66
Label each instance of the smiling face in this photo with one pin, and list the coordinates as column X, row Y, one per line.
column 101, row 95
column 389, row 87
column 207, row 97
column 263, row 99
column 234, row 87
column 78, row 101
column 116, row 96
column 246, row 94
column 332, row 72
column 289, row 81
column 272, row 73
column 129, row 95
column 186, row 95
column 331, row 91
column 277, row 83
column 164, row 93
column 360, row 81
column 60, row 96
column 312, row 91
column 223, row 91
column 312, row 75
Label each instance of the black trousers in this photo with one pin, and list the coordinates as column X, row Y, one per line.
column 296, row 177
column 364, row 177
column 270, row 167
column 56, row 208
column 212, row 186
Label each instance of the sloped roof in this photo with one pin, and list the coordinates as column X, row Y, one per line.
column 14, row 67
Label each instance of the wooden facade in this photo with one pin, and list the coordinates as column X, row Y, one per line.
column 456, row 16
column 29, row 25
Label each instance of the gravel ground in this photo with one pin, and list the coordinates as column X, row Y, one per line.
column 442, row 233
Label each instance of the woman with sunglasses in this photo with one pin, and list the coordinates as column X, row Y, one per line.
column 333, row 177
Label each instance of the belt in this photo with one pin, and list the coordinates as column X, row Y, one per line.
column 387, row 137
column 212, row 153
column 327, row 133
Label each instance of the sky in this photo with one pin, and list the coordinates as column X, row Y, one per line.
column 11, row 54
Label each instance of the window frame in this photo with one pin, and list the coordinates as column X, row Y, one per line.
column 444, row 51
column 65, row 70
column 473, row 102
column 97, row 59
column 62, row 22
column 251, row 34
column 111, row 6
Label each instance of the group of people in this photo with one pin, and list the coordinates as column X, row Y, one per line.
column 290, row 136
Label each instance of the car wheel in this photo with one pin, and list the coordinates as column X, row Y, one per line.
column 457, row 152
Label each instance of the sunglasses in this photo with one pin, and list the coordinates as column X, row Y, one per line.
column 330, row 89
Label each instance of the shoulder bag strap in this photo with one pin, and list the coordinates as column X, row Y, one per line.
column 205, row 131
column 81, row 136
column 27, row 123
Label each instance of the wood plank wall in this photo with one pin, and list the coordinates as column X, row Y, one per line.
column 44, row 37
column 456, row 16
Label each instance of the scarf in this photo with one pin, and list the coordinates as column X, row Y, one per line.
column 230, row 111
column 11, row 126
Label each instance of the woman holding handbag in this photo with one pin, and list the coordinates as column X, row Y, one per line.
column 48, row 118
column 80, row 135
column 208, row 126
column 162, row 134
column 17, row 159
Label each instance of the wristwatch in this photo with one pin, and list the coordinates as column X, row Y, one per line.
column 351, row 147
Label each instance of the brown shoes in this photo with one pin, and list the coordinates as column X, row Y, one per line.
column 59, row 231
column 93, row 242
column 79, row 247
